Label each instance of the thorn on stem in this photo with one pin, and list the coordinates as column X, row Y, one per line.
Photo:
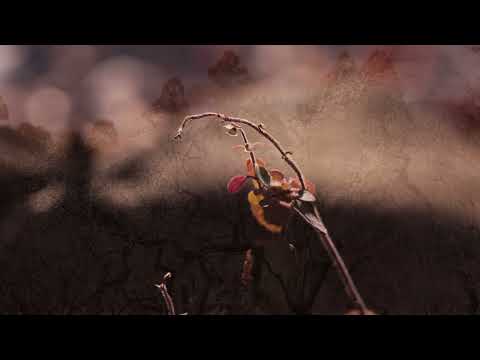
column 178, row 135
column 167, row 276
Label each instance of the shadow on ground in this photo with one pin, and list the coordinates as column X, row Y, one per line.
column 84, row 256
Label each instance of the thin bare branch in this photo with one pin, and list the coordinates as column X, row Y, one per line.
column 166, row 296
column 286, row 155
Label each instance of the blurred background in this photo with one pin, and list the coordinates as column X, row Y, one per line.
column 98, row 202
column 90, row 80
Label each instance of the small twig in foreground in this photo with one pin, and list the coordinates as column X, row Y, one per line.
column 166, row 296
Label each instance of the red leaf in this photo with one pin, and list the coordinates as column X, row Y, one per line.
column 236, row 183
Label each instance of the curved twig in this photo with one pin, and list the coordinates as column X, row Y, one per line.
column 286, row 155
column 249, row 150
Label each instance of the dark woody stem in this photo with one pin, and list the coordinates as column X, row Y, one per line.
column 336, row 258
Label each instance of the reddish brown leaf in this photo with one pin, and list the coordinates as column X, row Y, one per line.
column 236, row 183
